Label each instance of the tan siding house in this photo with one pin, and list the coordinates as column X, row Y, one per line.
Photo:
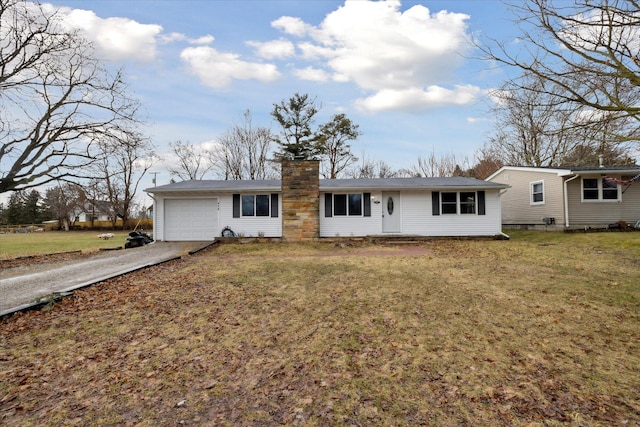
column 569, row 198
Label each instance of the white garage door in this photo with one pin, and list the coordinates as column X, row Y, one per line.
column 190, row 219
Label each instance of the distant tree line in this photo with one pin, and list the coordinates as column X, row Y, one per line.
column 62, row 203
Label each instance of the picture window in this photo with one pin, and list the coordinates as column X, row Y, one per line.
column 599, row 189
column 347, row 204
column 255, row 205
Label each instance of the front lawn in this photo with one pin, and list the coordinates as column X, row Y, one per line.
column 13, row 245
column 526, row 332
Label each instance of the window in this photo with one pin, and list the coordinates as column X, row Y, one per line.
column 257, row 205
column 609, row 190
column 449, row 203
column 340, row 204
column 468, row 203
column 248, row 205
column 599, row 189
column 537, row 193
column 464, row 203
column 590, row 189
column 355, row 204
column 347, row 204
column 262, row 205
column 252, row 205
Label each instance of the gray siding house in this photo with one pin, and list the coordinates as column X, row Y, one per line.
column 569, row 198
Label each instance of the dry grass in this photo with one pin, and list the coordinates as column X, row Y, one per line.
column 526, row 332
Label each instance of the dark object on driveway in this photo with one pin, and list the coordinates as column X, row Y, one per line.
column 136, row 239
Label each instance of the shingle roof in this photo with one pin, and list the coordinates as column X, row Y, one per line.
column 330, row 185
column 622, row 168
column 406, row 183
column 574, row 170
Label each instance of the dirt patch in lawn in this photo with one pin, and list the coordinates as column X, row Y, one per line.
column 464, row 333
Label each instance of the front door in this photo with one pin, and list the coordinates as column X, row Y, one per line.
column 391, row 212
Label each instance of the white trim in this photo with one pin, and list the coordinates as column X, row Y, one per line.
column 459, row 203
column 566, row 199
column 531, row 193
column 600, row 191
column 559, row 172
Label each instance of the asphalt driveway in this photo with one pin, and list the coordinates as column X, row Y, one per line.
column 26, row 286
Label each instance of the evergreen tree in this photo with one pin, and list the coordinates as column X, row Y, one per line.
column 295, row 117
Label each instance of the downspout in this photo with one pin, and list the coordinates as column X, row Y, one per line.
column 566, row 200
column 500, row 193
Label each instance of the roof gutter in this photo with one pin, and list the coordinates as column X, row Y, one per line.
column 566, row 200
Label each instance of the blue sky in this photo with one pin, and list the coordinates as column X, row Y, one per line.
column 403, row 71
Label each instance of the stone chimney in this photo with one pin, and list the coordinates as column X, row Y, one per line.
column 300, row 199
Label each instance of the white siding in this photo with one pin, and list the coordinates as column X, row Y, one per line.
column 416, row 219
column 347, row 226
column 247, row 226
column 462, row 225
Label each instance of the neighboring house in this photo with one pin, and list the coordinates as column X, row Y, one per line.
column 301, row 207
column 93, row 211
column 569, row 197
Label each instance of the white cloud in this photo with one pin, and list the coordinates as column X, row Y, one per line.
column 273, row 49
column 179, row 37
column 387, row 51
column 292, row 26
column 116, row 39
column 313, row 74
column 172, row 37
column 417, row 99
column 208, row 39
column 219, row 69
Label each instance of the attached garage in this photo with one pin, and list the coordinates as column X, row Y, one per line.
column 190, row 219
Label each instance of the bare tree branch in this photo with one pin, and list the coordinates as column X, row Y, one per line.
column 588, row 50
column 193, row 162
column 246, row 151
column 56, row 99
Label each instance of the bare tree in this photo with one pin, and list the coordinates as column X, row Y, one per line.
column 531, row 127
column 536, row 127
column 193, row 162
column 585, row 53
column 245, row 151
column 56, row 99
column 434, row 165
column 64, row 201
column 120, row 171
column 368, row 168
column 487, row 161
column 333, row 145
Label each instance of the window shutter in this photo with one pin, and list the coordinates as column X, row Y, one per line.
column 481, row 208
column 435, row 203
column 274, row 205
column 367, row 204
column 236, row 206
column 328, row 208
